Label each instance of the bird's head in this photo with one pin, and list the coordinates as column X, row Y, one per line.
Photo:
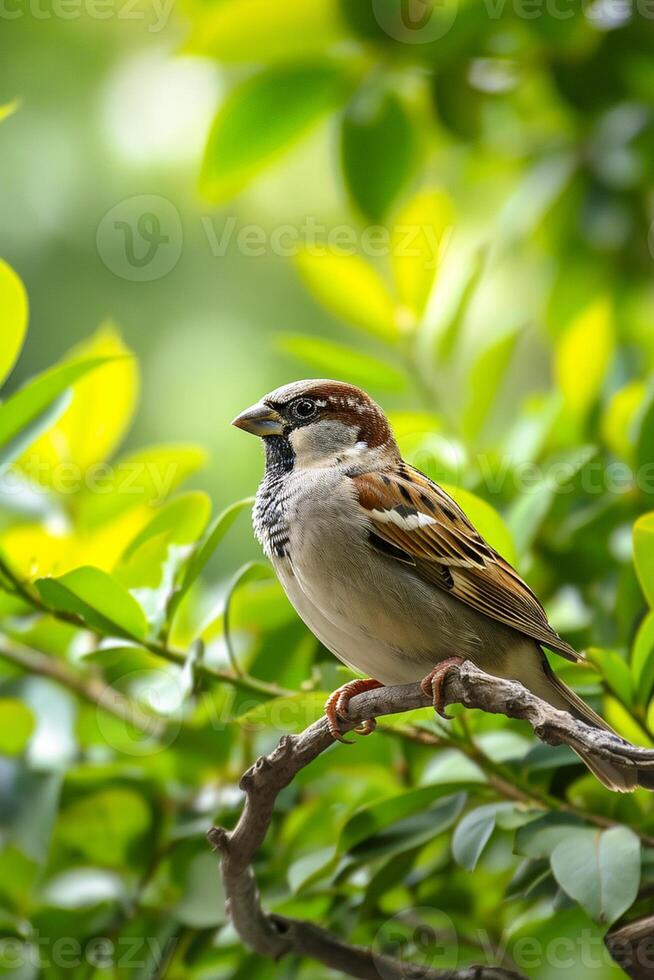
column 319, row 422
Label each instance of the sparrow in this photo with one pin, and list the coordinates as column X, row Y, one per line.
column 386, row 569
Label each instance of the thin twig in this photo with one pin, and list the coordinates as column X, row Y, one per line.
column 276, row 936
column 28, row 594
column 91, row 688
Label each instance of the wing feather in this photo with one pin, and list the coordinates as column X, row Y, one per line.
column 422, row 525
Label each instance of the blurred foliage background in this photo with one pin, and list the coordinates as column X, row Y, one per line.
column 448, row 206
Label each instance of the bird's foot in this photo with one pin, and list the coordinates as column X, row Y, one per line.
column 337, row 704
column 432, row 684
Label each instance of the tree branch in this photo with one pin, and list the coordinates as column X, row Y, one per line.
column 632, row 948
column 276, row 936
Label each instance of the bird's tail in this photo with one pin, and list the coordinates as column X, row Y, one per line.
column 617, row 778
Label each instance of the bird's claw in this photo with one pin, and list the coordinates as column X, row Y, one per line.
column 433, row 684
column 337, row 704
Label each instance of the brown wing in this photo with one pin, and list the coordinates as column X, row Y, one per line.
column 413, row 520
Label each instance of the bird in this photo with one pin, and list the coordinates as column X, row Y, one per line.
column 386, row 569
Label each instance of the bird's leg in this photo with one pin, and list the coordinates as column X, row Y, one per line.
column 337, row 704
column 432, row 684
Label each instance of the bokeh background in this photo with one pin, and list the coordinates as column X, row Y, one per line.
column 169, row 170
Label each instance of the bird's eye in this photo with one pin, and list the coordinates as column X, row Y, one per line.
column 304, row 408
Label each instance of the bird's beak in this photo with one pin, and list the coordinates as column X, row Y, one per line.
column 260, row 420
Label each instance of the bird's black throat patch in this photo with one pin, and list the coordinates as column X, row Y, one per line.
column 280, row 455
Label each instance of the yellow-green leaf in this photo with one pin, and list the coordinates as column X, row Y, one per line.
column 147, row 476
column 485, row 380
column 642, row 659
column 205, row 549
column 486, row 519
column 31, row 403
column 624, row 723
column 615, row 671
column 618, row 419
column 16, row 726
column 419, row 238
column 644, row 554
column 350, row 289
column 181, row 521
column 339, row 361
column 99, row 415
column 262, row 32
column 13, row 318
column 98, row 598
column 8, row 109
column 583, row 356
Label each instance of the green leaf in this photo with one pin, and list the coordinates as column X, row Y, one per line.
column 30, row 402
column 450, row 334
column 420, row 234
column 615, row 671
column 485, row 380
column 13, row 316
column 99, row 599
column 351, row 289
column 644, row 554
column 205, row 550
column 539, row 838
column 258, row 31
column 293, row 713
column 16, row 726
column 103, row 825
column 181, row 521
column 588, row 341
column 311, row 867
column 340, row 361
column 528, row 512
column 202, row 905
column 378, row 150
column 252, row 571
column 371, row 820
column 644, row 423
column 412, row 831
column 600, row 870
column 473, row 833
column 261, row 118
column 486, row 519
column 642, row 660
column 17, row 446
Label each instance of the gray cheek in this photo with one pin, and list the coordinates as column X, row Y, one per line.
column 322, row 439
